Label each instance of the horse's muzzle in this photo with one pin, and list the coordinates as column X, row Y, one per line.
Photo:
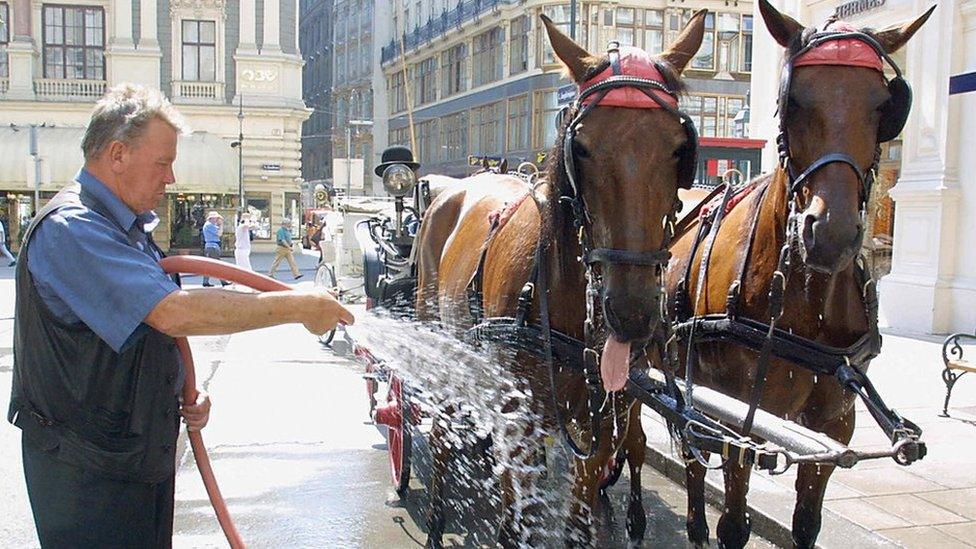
column 632, row 318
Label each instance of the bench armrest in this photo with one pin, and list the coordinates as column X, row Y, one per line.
column 952, row 349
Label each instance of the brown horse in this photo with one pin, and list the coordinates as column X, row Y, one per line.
column 627, row 163
column 834, row 117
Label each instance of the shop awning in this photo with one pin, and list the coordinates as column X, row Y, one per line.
column 205, row 163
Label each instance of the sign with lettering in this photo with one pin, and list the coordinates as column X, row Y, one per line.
column 565, row 94
column 258, row 77
column 848, row 9
column 492, row 161
column 271, row 167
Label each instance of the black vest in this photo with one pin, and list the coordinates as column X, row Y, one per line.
column 115, row 414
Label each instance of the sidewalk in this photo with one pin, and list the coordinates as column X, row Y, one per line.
column 931, row 503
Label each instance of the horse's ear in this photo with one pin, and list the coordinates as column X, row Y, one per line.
column 686, row 46
column 570, row 53
column 893, row 38
column 783, row 27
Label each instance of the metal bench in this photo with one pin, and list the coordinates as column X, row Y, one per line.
column 956, row 365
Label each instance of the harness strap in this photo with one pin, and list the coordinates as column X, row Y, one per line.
column 627, row 257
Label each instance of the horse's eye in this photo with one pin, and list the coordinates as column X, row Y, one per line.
column 579, row 150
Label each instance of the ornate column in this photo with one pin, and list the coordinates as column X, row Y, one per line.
column 147, row 24
column 248, row 39
column 272, row 26
column 21, row 53
column 122, row 15
column 922, row 293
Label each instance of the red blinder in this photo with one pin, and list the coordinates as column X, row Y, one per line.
column 848, row 52
column 633, row 62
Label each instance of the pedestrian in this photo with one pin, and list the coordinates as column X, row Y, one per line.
column 3, row 247
column 284, row 251
column 97, row 374
column 242, row 242
column 212, row 230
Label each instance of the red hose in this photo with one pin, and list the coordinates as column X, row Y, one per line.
column 224, row 271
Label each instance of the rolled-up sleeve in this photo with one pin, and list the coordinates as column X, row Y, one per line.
column 90, row 265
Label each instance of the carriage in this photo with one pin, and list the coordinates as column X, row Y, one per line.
column 703, row 419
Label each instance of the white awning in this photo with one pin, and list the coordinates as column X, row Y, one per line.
column 205, row 163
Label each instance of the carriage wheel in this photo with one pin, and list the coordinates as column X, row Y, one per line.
column 371, row 386
column 325, row 278
column 397, row 416
column 612, row 471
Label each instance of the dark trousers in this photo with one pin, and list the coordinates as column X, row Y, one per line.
column 76, row 508
column 213, row 253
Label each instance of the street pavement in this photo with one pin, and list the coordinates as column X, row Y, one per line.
column 301, row 465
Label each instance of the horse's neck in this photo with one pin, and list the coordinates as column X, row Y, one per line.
column 813, row 300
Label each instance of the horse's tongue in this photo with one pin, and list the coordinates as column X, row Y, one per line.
column 614, row 364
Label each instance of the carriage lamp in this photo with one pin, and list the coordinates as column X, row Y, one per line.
column 399, row 180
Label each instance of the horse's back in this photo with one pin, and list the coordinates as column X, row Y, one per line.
column 453, row 234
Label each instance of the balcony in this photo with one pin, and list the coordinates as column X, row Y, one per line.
column 49, row 89
column 465, row 11
column 198, row 92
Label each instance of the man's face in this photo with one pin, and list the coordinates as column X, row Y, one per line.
column 145, row 166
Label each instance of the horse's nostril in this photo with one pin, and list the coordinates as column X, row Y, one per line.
column 809, row 220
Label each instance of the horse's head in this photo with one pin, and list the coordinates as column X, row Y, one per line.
column 836, row 107
column 623, row 152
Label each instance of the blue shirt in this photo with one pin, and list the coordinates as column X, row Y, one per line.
column 211, row 235
column 284, row 237
column 86, row 269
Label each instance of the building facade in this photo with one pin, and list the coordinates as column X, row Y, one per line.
column 315, row 41
column 213, row 58
column 474, row 79
column 353, row 96
column 929, row 179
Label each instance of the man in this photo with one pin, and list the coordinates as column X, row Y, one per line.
column 96, row 372
column 212, row 229
column 3, row 247
column 242, row 242
column 283, row 237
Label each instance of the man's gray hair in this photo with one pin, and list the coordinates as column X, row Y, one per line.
column 123, row 113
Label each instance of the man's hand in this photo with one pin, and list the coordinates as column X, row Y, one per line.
column 197, row 415
column 323, row 311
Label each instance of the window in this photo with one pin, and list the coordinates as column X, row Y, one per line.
column 519, row 45
column 653, row 31
column 425, row 81
column 728, row 42
column 705, row 59
column 487, row 56
column 400, row 136
column 486, row 129
column 746, row 43
column 74, row 42
column 398, row 95
column 453, row 71
column 427, row 149
column 454, row 135
column 4, row 38
column 560, row 17
column 544, row 112
column 199, row 50
column 626, row 27
column 518, row 123
column 713, row 115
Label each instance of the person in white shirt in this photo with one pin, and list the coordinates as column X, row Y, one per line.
column 3, row 247
column 242, row 242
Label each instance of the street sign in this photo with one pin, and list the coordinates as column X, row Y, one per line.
column 565, row 94
column 341, row 170
column 493, row 161
column 271, row 167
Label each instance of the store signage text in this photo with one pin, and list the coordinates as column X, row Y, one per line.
column 848, row 9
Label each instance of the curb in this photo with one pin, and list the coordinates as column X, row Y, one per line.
column 770, row 505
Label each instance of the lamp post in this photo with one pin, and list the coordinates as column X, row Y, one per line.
column 239, row 145
column 349, row 126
